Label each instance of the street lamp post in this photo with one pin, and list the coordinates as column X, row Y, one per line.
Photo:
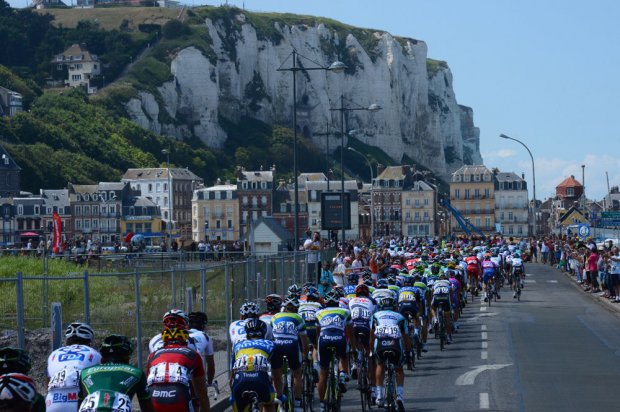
column 372, row 209
column 372, row 108
column 533, row 179
column 170, row 219
column 335, row 67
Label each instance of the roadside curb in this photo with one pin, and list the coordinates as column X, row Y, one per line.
column 606, row 303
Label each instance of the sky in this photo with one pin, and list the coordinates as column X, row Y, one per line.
column 541, row 71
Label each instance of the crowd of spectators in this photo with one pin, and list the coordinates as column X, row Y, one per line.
column 595, row 267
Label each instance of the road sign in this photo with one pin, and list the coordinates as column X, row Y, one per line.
column 610, row 215
column 584, row 231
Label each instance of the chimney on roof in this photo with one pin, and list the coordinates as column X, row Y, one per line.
column 522, row 175
column 380, row 169
column 572, row 176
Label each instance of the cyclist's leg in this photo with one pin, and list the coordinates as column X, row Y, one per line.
column 324, row 359
column 379, row 371
column 276, row 367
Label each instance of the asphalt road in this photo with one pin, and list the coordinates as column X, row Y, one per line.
column 555, row 350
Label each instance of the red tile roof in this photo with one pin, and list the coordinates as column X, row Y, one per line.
column 569, row 182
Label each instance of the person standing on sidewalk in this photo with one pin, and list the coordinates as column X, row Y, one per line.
column 312, row 246
column 614, row 260
column 593, row 269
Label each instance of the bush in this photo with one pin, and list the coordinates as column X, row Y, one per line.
column 174, row 29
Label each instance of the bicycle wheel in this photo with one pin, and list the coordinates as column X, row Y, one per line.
column 390, row 392
column 442, row 332
column 286, row 388
column 307, row 389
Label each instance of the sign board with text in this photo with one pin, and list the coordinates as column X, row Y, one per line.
column 331, row 211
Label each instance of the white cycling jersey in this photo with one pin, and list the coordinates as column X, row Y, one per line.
column 236, row 331
column 387, row 324
column 516, row 262
column 362, row 309
column 63, row 370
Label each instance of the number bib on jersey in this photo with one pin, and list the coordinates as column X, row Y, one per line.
column 309, row 316
column 387, row 331
column 406, row 297
column 168, row 373
column 67, row 378
column 362, row 313
column 106, row 400
column 251, row 363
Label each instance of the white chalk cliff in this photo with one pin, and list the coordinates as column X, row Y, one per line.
column 420, row 120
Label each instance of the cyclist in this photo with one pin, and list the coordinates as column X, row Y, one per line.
column 409, row 302
column 236, row 330
column 289, row 331
column 294, row 291
column 362, row 307
column 17, row 393
column 307, row 311
column 389, row 333
column 473, row 271
column 203, row 342
column 175, row 374
column 455, row 297
column 14, row 360
column 420, row 288
column 382, row 290
column 517, row 272
column 274, row 304
column 353, row 280
column 250, row 368
column 64, row 366
column 334, row 322
column 111, row 385
column 442, row 290
column 489, row 272
column 174, row 318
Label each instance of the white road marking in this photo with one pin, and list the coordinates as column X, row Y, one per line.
column 483, row 308
column 484, row 355
column 484, row 400
column 468, row 378
column 483, row 327
column 484, row 335
column 529, row 281
column 482, row 315
column 529, row 274
column 485, row 345
column 552, row 281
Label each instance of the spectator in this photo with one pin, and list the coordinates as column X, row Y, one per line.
column 327, row 279
column 312, row 246
column 615, row 272
column 202, row 248
column 544, row 250
column 593, row 258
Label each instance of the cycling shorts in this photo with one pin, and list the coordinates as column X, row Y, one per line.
column 445, row 304
column 288, row 348
column 329, row 340
column 258, row 382
column 472, row 271
column 171, row 397
column 365, row 332
column 312, row 336
column 388, row 348
column 488, row 275
column 408, row 307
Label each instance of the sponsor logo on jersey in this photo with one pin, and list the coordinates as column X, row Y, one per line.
column 158, row 393
column 62, row 397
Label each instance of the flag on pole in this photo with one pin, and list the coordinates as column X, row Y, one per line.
column 57, row 232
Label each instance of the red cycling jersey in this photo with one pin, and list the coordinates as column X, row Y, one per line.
column 169, row 374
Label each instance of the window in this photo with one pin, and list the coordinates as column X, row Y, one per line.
column 20, row 209
column 520, row 229
column 218, row 211
column 264, row 199
column 95, row 223
column 570, row 191
column 150, row 188
column 87, row 210
column 48, row 210
column 477, row 220
column 76, row 77
column 95, row 210
column 254, row 201
column 103, row 196
column 157, row 188
column 477, row 193
column 230, row 223
column 148, row 228
column 229, row 211
column 487, row 193
column 487, row 222
column 457, row 193
column 408, row 202
column 218, row 224
column 510, row 216
column 217, row 195
column 476, row 178
column 426, row 202
column 78, row 224
column 245, row 201
column 417, row 203
column 37, row 210
column 466, row 194
column 86, row 224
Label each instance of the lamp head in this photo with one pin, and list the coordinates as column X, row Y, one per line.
column 337, row 67
column 374, row 107
column 504, row 136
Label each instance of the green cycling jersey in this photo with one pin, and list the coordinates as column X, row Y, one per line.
column 110, row 387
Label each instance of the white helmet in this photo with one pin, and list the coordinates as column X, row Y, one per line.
column 79, row 330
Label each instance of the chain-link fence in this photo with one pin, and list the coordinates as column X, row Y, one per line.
column 131, row 300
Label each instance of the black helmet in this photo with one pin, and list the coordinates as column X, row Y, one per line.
column 116, row 346
column 197, row 320
column 14, row 360
column 386, row 302
column 255, row 328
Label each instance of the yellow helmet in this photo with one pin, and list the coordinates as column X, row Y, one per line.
column 174, row 335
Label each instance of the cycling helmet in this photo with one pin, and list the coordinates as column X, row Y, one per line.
column 354, row 278
column 174, row 335
column 249, row 310
column 386, row 302
column 366, row 275
column 175, row 318
column 391, row 280
column 417, row 278
column 17, row 392
column 313, row 293
column 291, row 301
column 273, row 302
column 197, row 320
column 80, row 331
column 255, row 328
column 339, row 290
column 408, row 281
column 294, row 290
column 368, row 282
column 420, row 269
column 116, row 346
column 332, row 298
column 382, row 284
column 14, row 360
column 307, row 286
column 434, row 269
column 362, row 290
